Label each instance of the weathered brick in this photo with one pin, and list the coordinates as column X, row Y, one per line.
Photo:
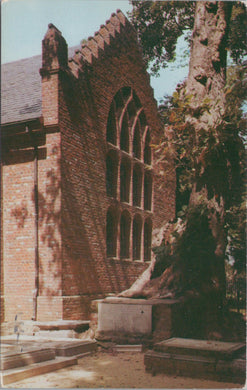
column 72, row 200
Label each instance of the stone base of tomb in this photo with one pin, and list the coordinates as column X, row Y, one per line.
column 137, row 321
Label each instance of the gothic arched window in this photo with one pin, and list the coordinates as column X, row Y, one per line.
column 128, row 179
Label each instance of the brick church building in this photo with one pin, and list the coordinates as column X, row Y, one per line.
column 81, row 196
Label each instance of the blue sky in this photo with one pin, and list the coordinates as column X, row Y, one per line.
column 24, row 24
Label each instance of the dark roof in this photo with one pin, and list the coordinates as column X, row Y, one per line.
column 21, row 90
column 21, row 94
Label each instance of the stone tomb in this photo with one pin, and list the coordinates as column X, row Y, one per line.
column 126, row 320
column 209, row 359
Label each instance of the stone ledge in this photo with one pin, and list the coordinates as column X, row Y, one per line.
column 133, row 301
column 29, row 327
column 12, row 359
column 14, row 375
column 123, row 338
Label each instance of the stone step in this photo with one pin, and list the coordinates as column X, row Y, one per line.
column 128, row 348
column 205, row 348
column 18, row 374
column 56, row 334
column 11, row 358
column 195, row 366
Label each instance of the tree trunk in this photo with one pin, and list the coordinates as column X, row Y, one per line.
column 206, row 79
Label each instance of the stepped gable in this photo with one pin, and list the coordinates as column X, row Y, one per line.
column 96, row 46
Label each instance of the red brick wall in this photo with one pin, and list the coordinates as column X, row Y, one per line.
column 50, row 98
column 18, row 234
column 50, row 253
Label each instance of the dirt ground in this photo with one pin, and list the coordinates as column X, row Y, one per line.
column 115, row 370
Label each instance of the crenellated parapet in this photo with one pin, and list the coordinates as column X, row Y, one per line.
column 95, row 47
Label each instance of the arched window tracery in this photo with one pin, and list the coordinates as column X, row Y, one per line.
column 129, row 181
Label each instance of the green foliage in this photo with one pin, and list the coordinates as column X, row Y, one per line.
column 160, row 23
column 236, row 98
column 212, row 156
column 236, row 227
column 237, row 42
column 235, row 287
